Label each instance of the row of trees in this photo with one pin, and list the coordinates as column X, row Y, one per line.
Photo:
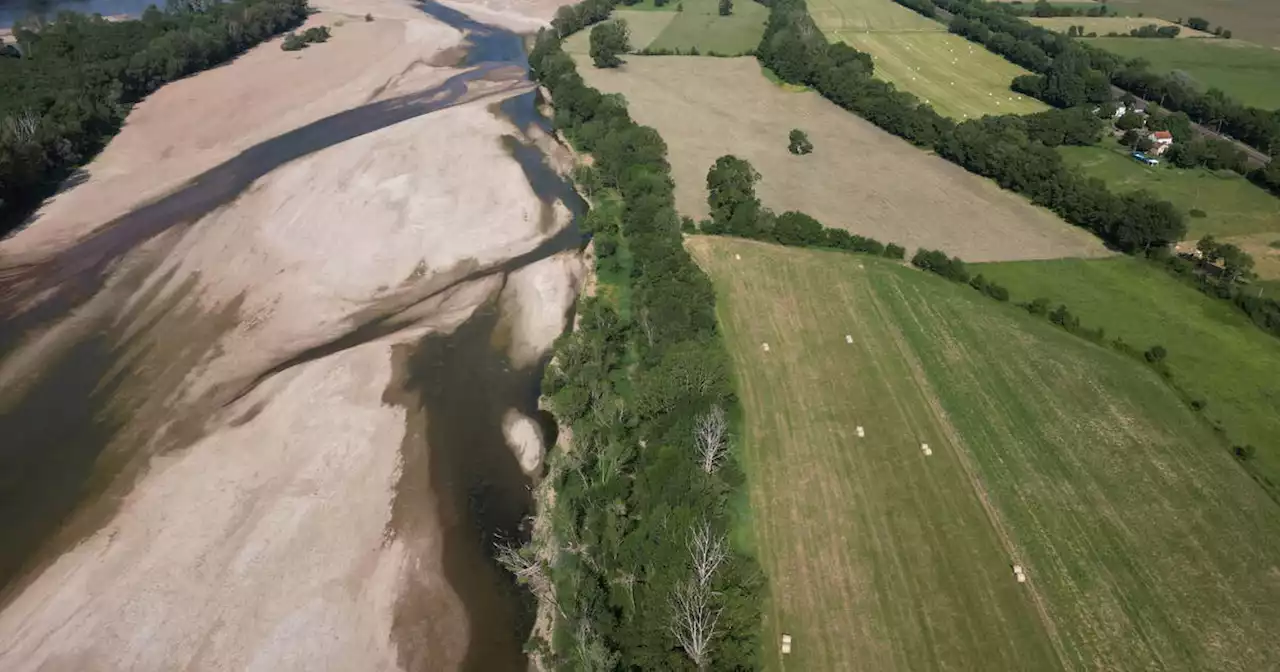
column 641, row 571
column 1042, row 9
column 68, row 84
column 1016, row 152
column 1042, row 50
column 736, row 211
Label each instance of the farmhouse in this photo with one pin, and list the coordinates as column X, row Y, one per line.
column 1161, row 142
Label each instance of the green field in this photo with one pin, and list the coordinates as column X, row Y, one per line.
column 1145, row 545
column 959, row 79
column 856, row 16
column 1233, row 206
column 1214, row 351
column 700, row 25
column 1246, row 72
column 644, row 27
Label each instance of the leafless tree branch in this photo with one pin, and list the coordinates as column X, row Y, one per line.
column 707, row 550
column 694, row 617
column 711, row 436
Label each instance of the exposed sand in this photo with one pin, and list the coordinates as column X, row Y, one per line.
column 196, row 123
column 250, row 526
column 858, row 178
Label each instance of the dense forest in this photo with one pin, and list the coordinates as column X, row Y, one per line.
column 68, row 84
column 639, row 566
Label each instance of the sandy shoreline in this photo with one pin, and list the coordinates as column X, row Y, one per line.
column 258, row 450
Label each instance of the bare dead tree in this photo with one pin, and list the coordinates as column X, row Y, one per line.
column 708, row 550
column 646, row 325
column 711, row 436
column 694, row 616
column 523, row 563
column 22, row 126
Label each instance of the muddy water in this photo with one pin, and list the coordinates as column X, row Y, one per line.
column 456, row 388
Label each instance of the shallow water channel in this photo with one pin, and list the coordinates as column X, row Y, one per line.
column 457, row 386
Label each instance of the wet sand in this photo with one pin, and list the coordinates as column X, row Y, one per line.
column 270, row 435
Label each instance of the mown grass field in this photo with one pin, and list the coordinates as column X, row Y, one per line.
column 858, row 177
column 859, row 16
column 1102, row 25
column 644, row 27
column 1146, row 547
column 959, row 79
column 700, row 25
column 1214, row 351
column 1233, row 205
column 1247, row 72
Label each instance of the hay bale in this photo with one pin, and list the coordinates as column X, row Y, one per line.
column 848, row 338
column 860, row 432
column 786, row 644
column 765, row 346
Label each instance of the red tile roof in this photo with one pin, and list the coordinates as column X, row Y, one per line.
column 1162, row 135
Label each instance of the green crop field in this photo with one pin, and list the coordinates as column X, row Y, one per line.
column 1145, row 545
column 857, row 16
column 1233, row 206
column 1043, row 418
column 1247, row 72
column 1214, row 351
column 958, row 78
column 700, row 25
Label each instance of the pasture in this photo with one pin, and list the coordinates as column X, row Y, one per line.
column 837, row 18
column 1145, row 546
column 858, row 177
column 1121, row 25
column 1233, row 206
column 958, row 78
column 1253, row 20
column 699, row 25
column 1214, row 351
column 644, row 27
column 1247, row 72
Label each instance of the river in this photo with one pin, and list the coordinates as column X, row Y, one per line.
column 57, row 428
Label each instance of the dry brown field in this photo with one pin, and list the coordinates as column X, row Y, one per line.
column 1252, row 20
column 859, row 177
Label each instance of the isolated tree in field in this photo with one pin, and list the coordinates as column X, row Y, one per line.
column 799, row 142
column 726, row 7
column 608, row 40
column 1236, row 263
column 711, row 434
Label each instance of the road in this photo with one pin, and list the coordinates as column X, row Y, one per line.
column 1256, row 158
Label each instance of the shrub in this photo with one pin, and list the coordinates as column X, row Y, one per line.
column 895, row 251
column 799, row 142
column 1157, row 353
column 1198, row 213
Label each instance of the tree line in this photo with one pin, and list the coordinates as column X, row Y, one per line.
column 1016, row 152
column 1040, row 50
column 68, row 84
column 639, row 566
column 737, row 211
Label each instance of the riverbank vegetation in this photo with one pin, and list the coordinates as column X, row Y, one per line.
column 71, row 83
column 639, row 564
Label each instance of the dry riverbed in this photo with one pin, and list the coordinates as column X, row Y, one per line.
column 262, row 426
